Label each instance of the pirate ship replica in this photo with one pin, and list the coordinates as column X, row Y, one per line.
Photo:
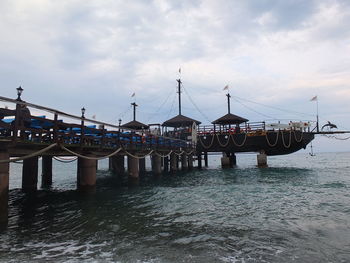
column 232, row 134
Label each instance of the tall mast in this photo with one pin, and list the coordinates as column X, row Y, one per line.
column 134, row 105
column 317, row 123
column 179, row 91
column 228, row 103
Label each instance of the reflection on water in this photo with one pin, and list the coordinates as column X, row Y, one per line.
column 297, row 210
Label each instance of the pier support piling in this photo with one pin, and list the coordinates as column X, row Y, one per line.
column 46, row 174
column 233, row 160
column 4, row 188
column 156, row 164
column 86, row 175
column 166, row 164
column 199, row 159
column 228, row 160
column 142, row 165
column 133, row 168
column 206, row 159
column 117, row 164
column 225, row 161
column 184, row 163
column 173, row 162
column 30, row 174
column 262, row 159
column 190, row 161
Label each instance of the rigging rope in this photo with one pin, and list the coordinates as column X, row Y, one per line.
column 89, row 157
column 290, row 140
column 138, row 157
column 158, row 109
column 262, row 114
column 239, row 145
column 203, row 145
column 276, row 108
column 163, row 156
column 65, row 161
column 29, row 155
column 179, row 154
column 295, row 136
column 195, row 105
column 171, row 107
column 335, row 137
column 223, row 145
column 268, row 142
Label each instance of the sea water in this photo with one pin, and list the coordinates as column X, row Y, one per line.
column 296, row 210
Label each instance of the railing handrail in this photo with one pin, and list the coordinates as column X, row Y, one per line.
column 61, row 113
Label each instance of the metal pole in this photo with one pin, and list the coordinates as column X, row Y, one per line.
column 317, row 121
column 134, row 105
column 179, row 91
column 228, row 102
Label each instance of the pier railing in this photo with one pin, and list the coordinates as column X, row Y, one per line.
column 18, row 125
column 255, row 127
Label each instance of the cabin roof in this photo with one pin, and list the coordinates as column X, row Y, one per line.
column 230, row 119
column 136, row 125
column 180, row 121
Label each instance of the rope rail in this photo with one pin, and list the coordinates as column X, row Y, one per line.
column 61, row 113
column 40, row 152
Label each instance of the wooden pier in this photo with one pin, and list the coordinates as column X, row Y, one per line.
column 24, row 137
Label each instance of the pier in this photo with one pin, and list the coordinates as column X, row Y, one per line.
column 24, row 137
column 171, row 146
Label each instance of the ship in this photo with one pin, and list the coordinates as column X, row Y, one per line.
column 232, row 134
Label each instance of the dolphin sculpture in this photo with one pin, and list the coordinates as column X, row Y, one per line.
column 330, row 125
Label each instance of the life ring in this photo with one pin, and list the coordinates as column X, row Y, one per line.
column 231, row 131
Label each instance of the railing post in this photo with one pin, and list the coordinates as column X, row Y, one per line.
column 102, row 142
column 55, row 128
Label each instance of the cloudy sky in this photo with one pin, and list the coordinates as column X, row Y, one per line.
column 69, row 54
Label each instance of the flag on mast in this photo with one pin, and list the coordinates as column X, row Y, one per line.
column 314, row 98
column 133, row 95
column 226, row 87
column 180, row 70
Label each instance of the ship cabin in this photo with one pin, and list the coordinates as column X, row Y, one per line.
column 230, row 123
column 181, row 127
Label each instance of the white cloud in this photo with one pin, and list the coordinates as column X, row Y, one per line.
column 95, row 53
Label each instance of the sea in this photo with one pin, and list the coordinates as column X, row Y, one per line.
column 296, row 210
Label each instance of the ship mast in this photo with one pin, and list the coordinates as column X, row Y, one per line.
column 134, row 105
column 228, row 103
column 179, row 92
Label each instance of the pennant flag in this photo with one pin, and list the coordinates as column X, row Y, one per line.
column 226, row 87
column 314, row 98
column 133, row 95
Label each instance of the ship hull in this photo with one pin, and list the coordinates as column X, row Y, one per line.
column 271, row 142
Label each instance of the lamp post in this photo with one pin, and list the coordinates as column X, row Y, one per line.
column 83, row 112
column 18, row 119
column 119, row 122
column 82, row 126
column 19, row 93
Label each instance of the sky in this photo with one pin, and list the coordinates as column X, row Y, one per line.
column 274, row 55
